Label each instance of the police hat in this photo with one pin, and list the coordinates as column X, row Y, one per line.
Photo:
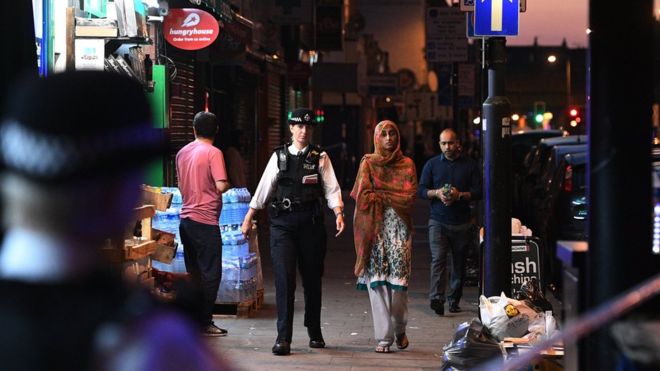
column 302, row 116
column 77, row 125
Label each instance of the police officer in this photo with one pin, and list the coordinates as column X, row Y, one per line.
column 296, row 179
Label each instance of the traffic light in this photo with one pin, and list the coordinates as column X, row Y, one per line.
column 574, row 116
column 320, row 116
column 539, row 110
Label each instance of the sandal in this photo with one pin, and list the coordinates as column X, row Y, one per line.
column 382, row 348
column 402, row 341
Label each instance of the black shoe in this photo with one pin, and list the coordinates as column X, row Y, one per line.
column 454, row 308
column 281, row 348
column 213, row 330
column 438, row 307
column 315, row 338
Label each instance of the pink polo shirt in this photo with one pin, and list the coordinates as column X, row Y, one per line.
column 199, row 165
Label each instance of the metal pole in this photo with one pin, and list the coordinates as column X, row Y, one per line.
column 497, row 178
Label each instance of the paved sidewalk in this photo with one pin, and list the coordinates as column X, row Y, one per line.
column 346, row 317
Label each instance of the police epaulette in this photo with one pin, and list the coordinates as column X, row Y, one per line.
column 315, row 151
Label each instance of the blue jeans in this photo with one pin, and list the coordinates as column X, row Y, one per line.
column 445, row 238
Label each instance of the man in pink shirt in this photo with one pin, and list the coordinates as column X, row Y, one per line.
column 202, row 179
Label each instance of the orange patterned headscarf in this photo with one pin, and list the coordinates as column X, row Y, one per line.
column 384, row 179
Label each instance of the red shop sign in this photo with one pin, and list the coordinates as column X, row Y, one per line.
column 190, row 29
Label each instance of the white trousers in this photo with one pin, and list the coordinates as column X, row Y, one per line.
column 389, row 309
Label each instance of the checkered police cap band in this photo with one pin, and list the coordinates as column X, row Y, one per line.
column 53, row 157
column 78, row 125
column 302, row 116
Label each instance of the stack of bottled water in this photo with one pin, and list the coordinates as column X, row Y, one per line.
column 235, row 204
column 238, row 279
column 238, row 264
column 168, row 221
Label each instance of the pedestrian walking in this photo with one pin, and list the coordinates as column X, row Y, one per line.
column 384, row 192
column 450, row 181
column 202, row 179
column 296, row 179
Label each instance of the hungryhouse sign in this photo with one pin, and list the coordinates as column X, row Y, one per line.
column 190, row 29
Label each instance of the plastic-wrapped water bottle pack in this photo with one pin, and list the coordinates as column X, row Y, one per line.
column 238, row 278
column 239, row 266
column 235, row 204
column 168, row 221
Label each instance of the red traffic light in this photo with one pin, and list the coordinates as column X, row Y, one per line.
column 573, row 112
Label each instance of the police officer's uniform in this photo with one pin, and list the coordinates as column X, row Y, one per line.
column 292, row 188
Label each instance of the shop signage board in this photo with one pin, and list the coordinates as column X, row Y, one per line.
column 525, row 261
column 496, row 17
column 190, row 29
column 445, row 35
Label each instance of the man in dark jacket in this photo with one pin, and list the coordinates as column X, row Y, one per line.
column 450, row 181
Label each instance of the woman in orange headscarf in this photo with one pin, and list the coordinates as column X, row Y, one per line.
column 384, row 193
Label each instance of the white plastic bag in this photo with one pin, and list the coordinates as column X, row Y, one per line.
column 501, row 316
column 543, row 325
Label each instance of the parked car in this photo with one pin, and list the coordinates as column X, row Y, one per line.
column 535, row 164
column 564, row 210
column 523, row 143
column 552, row 162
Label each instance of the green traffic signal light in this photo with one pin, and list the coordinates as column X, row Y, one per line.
column 320, row 116
column 538, row 118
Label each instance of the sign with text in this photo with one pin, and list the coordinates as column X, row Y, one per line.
column 525, row 261
column 496, row 17
column 190, row 29
column 445, row 35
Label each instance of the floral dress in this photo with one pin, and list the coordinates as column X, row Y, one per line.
column 389, row 262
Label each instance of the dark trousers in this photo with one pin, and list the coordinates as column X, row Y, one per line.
column 297, row 239
column 443, row 239
column 202, row 253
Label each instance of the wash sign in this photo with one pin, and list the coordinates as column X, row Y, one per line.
column 496, row 17
column 525, row 261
